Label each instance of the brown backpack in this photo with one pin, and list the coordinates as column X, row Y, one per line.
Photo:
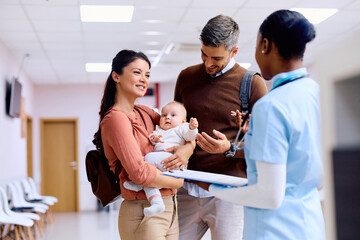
column 104, row 183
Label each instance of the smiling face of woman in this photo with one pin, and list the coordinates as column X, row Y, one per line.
column 134, row 81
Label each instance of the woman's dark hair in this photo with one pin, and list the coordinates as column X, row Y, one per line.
column 120, row 61
column 290, row 31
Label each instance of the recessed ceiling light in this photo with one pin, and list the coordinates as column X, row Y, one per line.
column 316, row 15
column 152, row 21
column 245, row 65
column 102, row 13
column 98, row 67
column 152, row 33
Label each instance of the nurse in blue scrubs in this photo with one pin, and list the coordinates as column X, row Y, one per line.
column 282, row 143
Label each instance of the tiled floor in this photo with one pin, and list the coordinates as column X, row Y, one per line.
column 81, row 226
column 86, row 226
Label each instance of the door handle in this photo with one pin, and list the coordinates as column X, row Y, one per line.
column 73, row 164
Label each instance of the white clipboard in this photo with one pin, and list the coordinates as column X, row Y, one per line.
column 207, row 177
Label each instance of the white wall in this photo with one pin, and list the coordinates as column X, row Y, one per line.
column 166, row 93
column 12, row 146
column 69, row 101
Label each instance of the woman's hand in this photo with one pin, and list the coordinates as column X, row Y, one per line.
column 180, row 157
column 212, row 145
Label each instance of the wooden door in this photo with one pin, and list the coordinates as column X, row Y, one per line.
column 59, row 162
column 29, row 146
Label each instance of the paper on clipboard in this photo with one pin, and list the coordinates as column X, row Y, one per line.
column 207, row 177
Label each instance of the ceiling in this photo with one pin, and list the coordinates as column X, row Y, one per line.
column 59, row 44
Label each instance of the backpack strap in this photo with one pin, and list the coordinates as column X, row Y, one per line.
column 245, row 90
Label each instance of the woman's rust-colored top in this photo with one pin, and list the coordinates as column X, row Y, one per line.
column 125, row 137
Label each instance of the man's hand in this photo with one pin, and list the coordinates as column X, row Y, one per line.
column 180, row 157
column 193, row 124
column 203, row 185
column 212, row 145
column 239, row 120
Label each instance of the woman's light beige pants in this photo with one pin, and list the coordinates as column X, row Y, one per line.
column 133, row 225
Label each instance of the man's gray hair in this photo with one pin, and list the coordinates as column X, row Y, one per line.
column 220, row 30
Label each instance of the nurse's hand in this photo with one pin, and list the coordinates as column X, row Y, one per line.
column 212, row 145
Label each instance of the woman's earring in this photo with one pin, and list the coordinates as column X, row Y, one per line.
column 262, row 51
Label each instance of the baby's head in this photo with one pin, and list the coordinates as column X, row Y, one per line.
column 172, row 115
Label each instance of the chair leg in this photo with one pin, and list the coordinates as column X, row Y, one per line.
column 7, row 231
column 43, row 220
column 29, row 233
column 39, row 227
column 16, row 233
column 50, row 216
column 35, row 231
column 21, row 232
column 1, row 231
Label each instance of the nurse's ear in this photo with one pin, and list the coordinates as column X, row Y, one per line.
column 265, row 46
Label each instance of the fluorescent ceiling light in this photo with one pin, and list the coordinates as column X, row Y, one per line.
column 98, row 67
column 101, row 13
column 245, row 65
column 316, row 15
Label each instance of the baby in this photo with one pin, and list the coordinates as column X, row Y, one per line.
column 173, row 131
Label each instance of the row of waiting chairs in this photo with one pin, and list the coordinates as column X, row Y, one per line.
column 22, row 208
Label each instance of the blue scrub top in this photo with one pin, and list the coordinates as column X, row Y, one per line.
column 285, row 129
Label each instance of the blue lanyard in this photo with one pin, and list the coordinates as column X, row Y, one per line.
column 290, row 80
